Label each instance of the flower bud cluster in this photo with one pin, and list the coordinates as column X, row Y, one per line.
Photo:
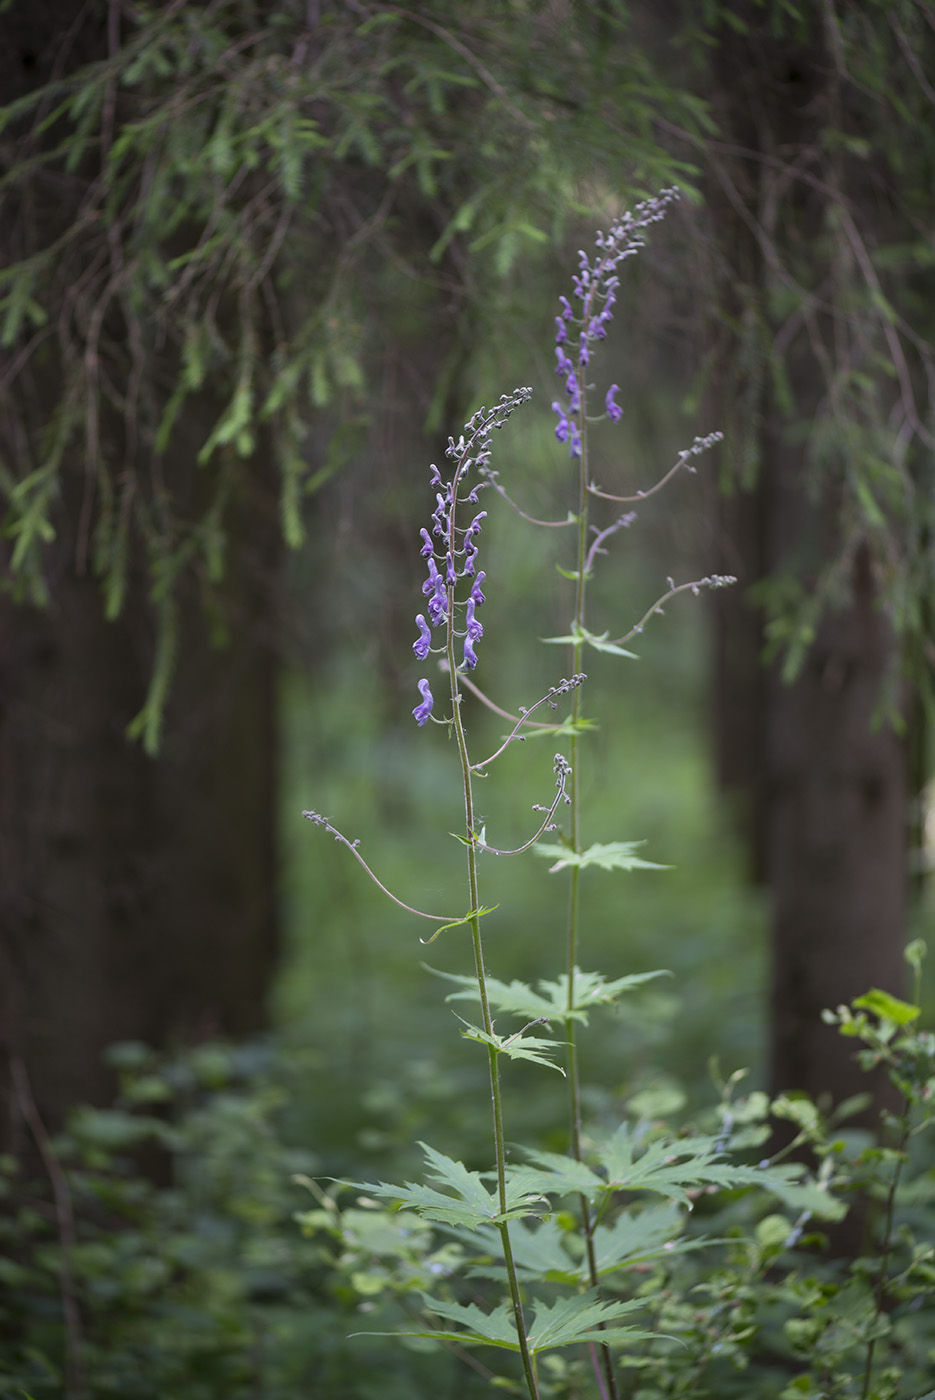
column 595, row 288
column 450, row 551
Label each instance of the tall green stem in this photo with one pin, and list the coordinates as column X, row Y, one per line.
column 487, row 1020
column 574, row 891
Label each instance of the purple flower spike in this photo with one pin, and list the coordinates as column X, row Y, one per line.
column 421, row 647
column 421, row 712
column 476, row 595
column 428, row 548
column 470, row 656
column 561, row 427
column 614, row 411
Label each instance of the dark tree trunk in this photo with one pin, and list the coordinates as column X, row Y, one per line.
column 137, row 895
column 825, row 790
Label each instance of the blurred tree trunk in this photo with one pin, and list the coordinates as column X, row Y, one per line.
column 825, row 790
column 137, row 897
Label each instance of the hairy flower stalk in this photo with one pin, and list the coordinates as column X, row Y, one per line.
column 451, row 558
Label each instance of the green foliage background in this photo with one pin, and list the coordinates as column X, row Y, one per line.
column 231, row 198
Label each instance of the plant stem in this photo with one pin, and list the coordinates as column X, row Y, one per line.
column 487, row 1020
column 574, row 890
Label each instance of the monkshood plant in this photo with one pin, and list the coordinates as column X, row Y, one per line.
column 546, row 1254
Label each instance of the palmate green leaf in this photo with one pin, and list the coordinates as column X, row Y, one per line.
column 579, row 1319
column 514, row 997
column 516, row 1047
column 518, row 998
column 613, row 855
column 782, row 1181
column 592, row 989
column 559, row 1324
column 554, row 1174
column 637, row 1236
column 470, row 1205
column 581, row 634
column 540, row 1253
column 670, row 1168
column 675, row 1169
column 546, row 1251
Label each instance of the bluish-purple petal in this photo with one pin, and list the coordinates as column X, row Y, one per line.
column 475, row 629
column 422, row 711
column 421, row 647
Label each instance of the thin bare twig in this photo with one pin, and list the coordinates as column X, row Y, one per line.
column 698, row 446
column 319, row 820
column 563, row 769
column 713, row 581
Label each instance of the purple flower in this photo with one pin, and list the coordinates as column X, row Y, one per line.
column 583, row 355
column 440, row 516
column 475, row 629
column 566, row 308
column 561, row 427
column 450, row 575
column 438, row 604
column 470, row 656
column 470, row 554
column 574, row 440
column 421, row 647
column 436, row 477
column 560, row 331
column 564, row 365
column 422, row 712
column 571, row 389
column 428, row 549
column 429, row 584
column 614, row 411
column 476, row 594
column 474, row 527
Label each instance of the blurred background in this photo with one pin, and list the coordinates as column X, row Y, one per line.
column 258, row 262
